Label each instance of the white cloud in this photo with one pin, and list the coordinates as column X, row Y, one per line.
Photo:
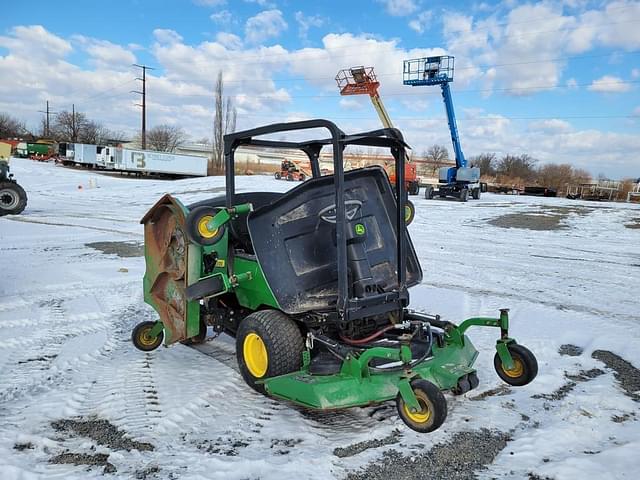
column 399, row 8
column 229, row 40
column 222, row 17
column 635, row 73
column 550, row 125
column 351, row 103
column 165, row 35
column 105, row 54
column 609, row 84
column 34, row 42
column 305, row 22
column 266, row 24
column 421, row 22
column 572, row 83
column 262, row 3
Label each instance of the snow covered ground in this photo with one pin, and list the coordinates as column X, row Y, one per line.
column 78, row 401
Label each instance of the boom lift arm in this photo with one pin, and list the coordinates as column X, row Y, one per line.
column 461, row 180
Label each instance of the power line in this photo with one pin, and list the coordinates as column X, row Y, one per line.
column 47, row 112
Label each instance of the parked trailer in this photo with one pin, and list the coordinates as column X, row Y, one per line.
column 78, row 154
column 149, row 162
column 38, row 150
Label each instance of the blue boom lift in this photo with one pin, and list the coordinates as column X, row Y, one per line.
column 459, row 181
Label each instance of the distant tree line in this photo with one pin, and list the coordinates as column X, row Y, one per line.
column 522, row 169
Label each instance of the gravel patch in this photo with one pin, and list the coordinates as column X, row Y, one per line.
column 97, row 460
column 625, row 372
column 121, row 249
column 499, row 391
column 634, row 223
column 570, row 350
column 530, row 221
column 102, row 432
column 457, row 459
column 564, row 390
column 356, row 448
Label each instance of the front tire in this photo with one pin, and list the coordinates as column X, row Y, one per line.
column 428, row 192
column 13, row 198
column 433, row 407
column 268, row 344
column 141, row 338
column 475, row 193
column 464, row 194
column 525, row 366
column 409, row 212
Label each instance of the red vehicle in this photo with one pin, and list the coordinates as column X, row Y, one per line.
column 290, row 171
column 411, row 181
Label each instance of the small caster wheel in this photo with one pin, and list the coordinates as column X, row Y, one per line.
column 409, row 212
column 525, row 366
column 474, row 381
column 463, row 386
column 197, row 229
column 433, row 407
column 142, row 339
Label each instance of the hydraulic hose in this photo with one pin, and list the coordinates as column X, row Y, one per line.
column 373, row 336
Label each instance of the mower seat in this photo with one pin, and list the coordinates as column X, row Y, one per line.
column 238, row 229
column 296, row 249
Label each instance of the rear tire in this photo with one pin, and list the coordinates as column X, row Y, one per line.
column 464, row 194
column 475, row 193
column 13, row 198
column 277, row 175
column 268, row 344
column 428, row 192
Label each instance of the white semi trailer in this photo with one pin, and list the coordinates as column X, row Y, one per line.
column 149, row 162
column 78, row 154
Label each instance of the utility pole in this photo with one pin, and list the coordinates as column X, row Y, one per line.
column 74, row 132
column 47, row 112
column 144, row 102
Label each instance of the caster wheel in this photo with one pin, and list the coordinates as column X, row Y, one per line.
column 474, row 381
column 142, row 339
column 433, row 407
column 196, row 226
column 463, row 386
column 525, row 366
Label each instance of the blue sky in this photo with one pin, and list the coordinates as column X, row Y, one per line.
column 556, row 79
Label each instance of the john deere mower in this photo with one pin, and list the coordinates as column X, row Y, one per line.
column 313, row 284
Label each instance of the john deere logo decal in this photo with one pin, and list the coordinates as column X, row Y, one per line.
column 359, row 229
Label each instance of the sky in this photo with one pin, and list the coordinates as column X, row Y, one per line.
column 558, row 80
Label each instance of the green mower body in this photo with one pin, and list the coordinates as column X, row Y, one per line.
column 313, row 284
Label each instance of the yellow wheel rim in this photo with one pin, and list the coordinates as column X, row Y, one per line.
column 255, row 355
column 203, row 229
column 421, row 416
column 516, row 371
column 407, row 213
column 145, row 339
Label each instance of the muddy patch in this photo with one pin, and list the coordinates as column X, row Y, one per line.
column 494, row 392
column 625, row 372
column 570, row 350
column 573, row 381
column 121, row 249
column 545, row 218
column 530, row 221
column 356, row 448
column 458, row 459
column 100, row 431
column 634, row 223
column 93, row 460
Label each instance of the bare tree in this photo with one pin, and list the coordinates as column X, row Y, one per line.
column 68, row 126
column 11, row 127
column 224, row 121
column 517, row 167
column 165, row 138
column 486, row 162
column 437, row 156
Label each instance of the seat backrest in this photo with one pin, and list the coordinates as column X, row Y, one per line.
column 297, row 251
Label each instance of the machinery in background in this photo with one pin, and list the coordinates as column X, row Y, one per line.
column 290, row 171
column 13, row 198
column 459, row 181
column 362, row 81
